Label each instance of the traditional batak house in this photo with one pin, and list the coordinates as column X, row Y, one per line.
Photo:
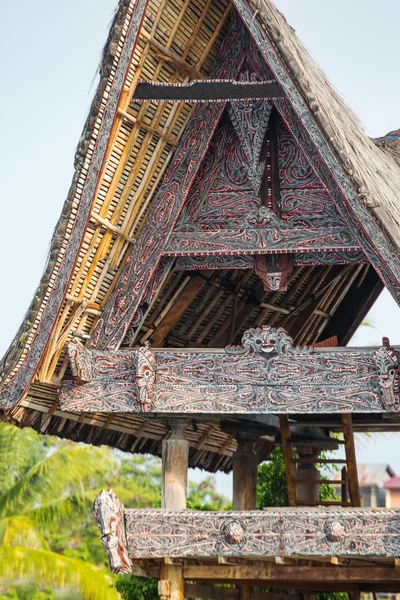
column 227, row 229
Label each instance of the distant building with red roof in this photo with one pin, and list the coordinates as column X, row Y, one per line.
column 392, row 488
column 374, row 479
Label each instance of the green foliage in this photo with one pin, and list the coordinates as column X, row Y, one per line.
column 203, row 496
column 29, row 592
column 271, row 482
column 46, row 485
column 333, row 596
column 137, row 588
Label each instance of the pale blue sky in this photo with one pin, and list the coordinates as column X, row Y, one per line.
column 50, row 51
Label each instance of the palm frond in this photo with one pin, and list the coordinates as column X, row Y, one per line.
column 59, row 473
column 24, row 565
column 62, row 510
column 19, row 531
column 20, row 449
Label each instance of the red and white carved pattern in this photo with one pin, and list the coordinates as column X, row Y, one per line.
column 109, row 513
column 10, row 394
column 260, row 240
column 178, row 179
column 387, row 361
column 273, row 270
column 301, row 122
column 278, row 532
column 266, row 374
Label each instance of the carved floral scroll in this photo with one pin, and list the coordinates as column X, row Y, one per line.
column 274, row 532
column 267, row 373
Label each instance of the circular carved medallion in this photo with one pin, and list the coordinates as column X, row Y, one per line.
column 334, row 531
column 232, row 532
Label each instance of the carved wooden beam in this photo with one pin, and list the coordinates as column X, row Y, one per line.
column 276, row 237
column 206, row 91
column 149, row 248
column 281, row 532
column 246, row 261
column 266, row 374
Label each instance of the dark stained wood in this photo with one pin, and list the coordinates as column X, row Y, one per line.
column 212, row 592
column 287, row 457
column 352, row 473
column 172, row 317
column 279, row 574
column 205, row 91
column 245, row 467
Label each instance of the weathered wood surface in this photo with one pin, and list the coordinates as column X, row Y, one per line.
column 245, row 470
column 175, row 458
column 312, row 577
column 206, row 91
column 266, row 374
column 290, row 532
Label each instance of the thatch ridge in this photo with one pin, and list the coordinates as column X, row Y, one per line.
column 17, row 346
column 375, row 174
column 390, row 143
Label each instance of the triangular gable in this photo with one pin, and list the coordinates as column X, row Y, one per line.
column 127, row 300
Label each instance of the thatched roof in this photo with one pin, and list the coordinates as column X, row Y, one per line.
column 120, row 161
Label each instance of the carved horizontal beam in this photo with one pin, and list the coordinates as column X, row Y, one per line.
column 130, row 534
column 216, row 261
column 260, row 240
column 266, row 374
column 206, row 91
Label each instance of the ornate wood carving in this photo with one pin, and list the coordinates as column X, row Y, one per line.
column 225, row 261
column 118, row 313
column 250, row 119
column 109, row 513
column 266, row 374
column 274, row 532
column 273, row 270
column 302, row 124
column 387, row 361
column 260, row 240
column 17, row 386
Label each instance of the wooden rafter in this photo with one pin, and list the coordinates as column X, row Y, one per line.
column 152, row 240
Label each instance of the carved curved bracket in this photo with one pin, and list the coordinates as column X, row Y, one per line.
column 387, row 362
column 109, row 513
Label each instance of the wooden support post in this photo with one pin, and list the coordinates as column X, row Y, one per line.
column 352, row 473
column 287, row 457
column 175, row 458
column 307, row 472
column 245, row 467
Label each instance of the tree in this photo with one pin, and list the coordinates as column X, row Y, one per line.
column 44, row 484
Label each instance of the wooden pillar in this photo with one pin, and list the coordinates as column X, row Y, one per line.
column 245, row 467
column 175, row 458
column 306, row 473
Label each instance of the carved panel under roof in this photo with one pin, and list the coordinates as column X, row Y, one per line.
column 129, row 149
